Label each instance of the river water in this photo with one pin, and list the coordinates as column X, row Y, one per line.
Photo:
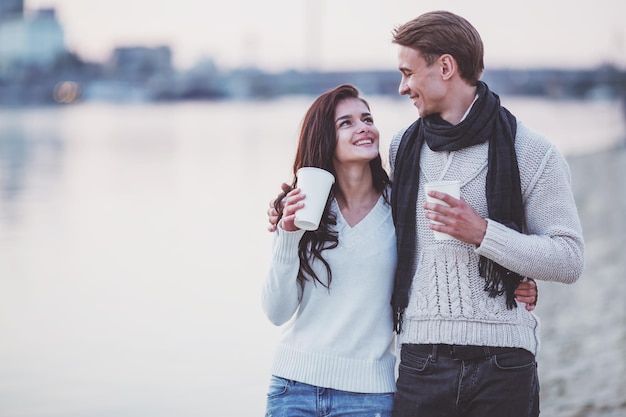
column 133, row 244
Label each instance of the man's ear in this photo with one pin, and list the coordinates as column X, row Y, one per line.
column 447, row 65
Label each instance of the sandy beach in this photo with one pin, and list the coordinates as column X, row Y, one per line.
column 582, row 360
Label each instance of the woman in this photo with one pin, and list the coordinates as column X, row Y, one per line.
column 337, row 354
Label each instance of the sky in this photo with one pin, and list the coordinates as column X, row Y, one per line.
column 277, row 35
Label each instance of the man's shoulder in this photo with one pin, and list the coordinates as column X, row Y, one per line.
column 535, row 152
column 395, row 144
column 529, row 140
column 398, row 135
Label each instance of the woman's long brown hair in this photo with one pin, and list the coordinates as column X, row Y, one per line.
column 316, row 148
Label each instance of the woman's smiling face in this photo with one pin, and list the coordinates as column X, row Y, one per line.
column 357, row 135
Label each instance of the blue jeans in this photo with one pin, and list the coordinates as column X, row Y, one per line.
column 286, row 398
column 443, row 381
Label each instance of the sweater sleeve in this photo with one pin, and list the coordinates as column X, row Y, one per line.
column 551, row 248
column 393, row 151
column 281, row 293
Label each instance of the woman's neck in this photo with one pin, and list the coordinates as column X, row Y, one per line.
column 355, row 193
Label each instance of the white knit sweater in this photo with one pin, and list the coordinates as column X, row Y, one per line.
column 447, row 301
column 342, row 338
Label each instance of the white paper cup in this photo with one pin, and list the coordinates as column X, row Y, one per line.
column 449, row 187
column 316, row 184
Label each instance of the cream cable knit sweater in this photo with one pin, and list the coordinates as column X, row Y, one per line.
column 447, row 301
column 342, row 338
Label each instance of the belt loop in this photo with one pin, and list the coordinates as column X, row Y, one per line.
column 487, row 351
column 434, row 353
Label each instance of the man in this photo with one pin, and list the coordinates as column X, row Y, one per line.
column 466, row 347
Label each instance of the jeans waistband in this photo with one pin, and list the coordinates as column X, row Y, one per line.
column 461, row 352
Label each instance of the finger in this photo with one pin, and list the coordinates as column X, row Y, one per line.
column 290, row 208
column 296, row 191
column 285, row 188
column 525, row 288
column 287, row 224
column 531, row 283
column 527, row 284
column 294, row 197
column 447, row 198
column 433, row 208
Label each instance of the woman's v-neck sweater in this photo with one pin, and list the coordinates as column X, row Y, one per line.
column 340, row 338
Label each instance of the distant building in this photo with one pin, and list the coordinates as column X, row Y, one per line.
column 33, row 40
column 139, row 63
column 11, row 9
column 135, row 74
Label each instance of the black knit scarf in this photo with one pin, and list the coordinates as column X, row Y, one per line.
column 486, row 121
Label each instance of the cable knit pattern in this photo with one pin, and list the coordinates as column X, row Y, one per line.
column 447, row 301
column 342, row 338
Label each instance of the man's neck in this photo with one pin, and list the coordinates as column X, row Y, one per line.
column 460, row 100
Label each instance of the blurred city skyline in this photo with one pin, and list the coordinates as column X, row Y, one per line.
column 276, row 35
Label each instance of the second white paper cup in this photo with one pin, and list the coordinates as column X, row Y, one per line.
column 449, row 187
column 316, row 184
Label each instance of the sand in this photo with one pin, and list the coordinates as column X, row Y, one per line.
column 582, row 359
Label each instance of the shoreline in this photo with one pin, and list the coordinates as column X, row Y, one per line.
column 582, row 359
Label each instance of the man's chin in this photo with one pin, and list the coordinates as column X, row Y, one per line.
column 422, row 113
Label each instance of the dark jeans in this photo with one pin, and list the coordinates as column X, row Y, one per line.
column 461, row 381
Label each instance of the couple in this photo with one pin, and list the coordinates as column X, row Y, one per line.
column 466, row 347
